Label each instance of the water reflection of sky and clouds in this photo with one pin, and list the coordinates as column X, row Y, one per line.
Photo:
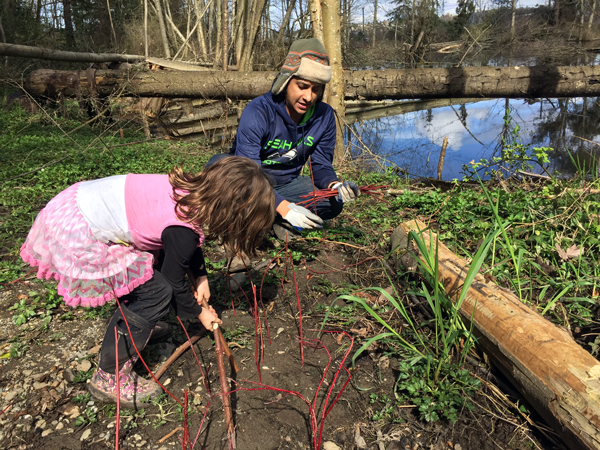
column 413, row 141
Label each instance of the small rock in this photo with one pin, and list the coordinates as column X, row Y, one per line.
column 280, row 330
column 27, row 372
column 330, row 446
column 237, row 280
column 137, row 437
column 166, row 383
column 68, row 375
column 84, row 365
column 72, row 412
column 46, row 432
column 60, row 426
column 86, row 434
column 94, row 350
column 37, row 385
column 11, row 395
column 457, row 447
column 141, row 444
column 111, row 425
column 40, row 424
column 238, row 264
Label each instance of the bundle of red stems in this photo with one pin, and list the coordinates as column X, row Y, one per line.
column 316, row 197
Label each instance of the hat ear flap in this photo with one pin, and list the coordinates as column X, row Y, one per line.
column 281, row 81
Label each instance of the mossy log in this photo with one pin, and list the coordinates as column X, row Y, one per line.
column 556, row 375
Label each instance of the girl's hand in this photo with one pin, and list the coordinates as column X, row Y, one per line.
column 202, row 291
column 208, row 317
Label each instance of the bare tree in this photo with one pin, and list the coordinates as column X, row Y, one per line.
column 163, row 28
column 285, row 23
column 200, row 28
column 255, row 11
column 374, row 22
column 512, row 18
column 112, row 26
column 316, row 18
column 592, row 13
column 225, row 24
column 68, row 18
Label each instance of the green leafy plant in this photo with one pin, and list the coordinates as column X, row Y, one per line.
column 435, row 400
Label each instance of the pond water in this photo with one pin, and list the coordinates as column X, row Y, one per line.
column 475, row 131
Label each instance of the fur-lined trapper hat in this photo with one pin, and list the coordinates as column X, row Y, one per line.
column 307, row 59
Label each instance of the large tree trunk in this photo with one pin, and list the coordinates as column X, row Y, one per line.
column 559, row 378
column 316, row 18
column 335, row 89
column 492, row 82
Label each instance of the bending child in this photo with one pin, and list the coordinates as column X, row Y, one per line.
column 97, row 239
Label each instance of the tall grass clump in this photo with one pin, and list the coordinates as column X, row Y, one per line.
column 432, row 353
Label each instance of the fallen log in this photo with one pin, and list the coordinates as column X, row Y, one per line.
column 462, row 82
column 557, row 376
column 25, row 51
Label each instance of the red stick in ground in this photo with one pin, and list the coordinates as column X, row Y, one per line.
column 118, row 389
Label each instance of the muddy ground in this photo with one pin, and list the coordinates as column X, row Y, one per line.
column 45, row 365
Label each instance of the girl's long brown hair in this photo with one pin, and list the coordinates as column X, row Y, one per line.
column 232, row 201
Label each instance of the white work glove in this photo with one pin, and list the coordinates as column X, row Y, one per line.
column 347, row 191
column 302, row 218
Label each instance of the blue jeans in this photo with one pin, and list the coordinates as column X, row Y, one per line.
column 293, row 191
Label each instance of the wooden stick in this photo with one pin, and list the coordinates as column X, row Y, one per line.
column 164, row 438
column 228, row 353
column 442, row 157
column 220, row 346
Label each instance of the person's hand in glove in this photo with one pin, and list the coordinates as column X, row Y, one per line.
column 301, row 218
column 347, row 191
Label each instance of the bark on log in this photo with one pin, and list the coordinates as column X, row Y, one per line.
column 557, row 376
column 462, row 82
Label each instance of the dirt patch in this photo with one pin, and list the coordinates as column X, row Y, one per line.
column 43, row 389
